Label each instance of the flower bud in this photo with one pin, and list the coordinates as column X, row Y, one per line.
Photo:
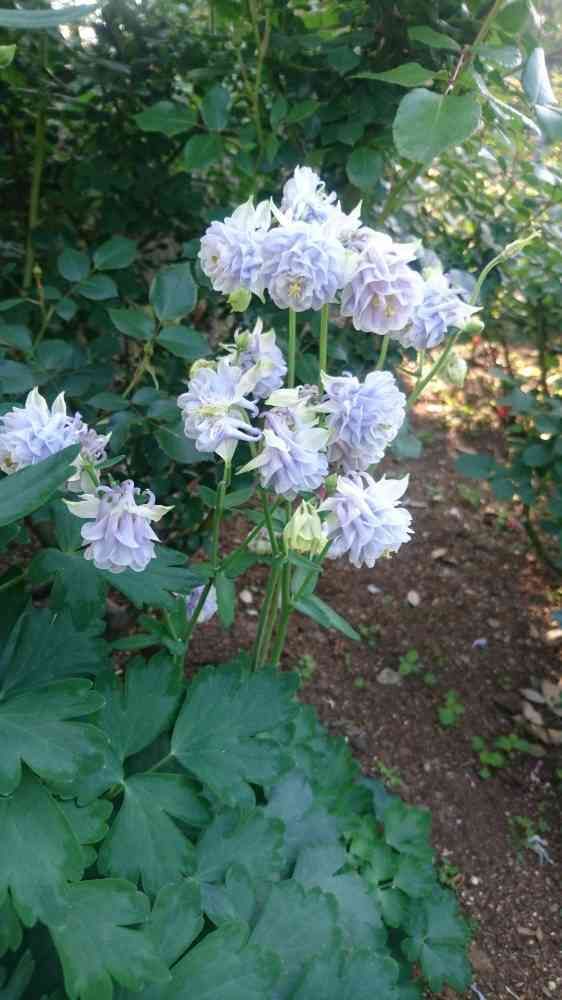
column 455, row 371
column 304, row 532
column 240, row 300
column 473, row 327
column 201, row 363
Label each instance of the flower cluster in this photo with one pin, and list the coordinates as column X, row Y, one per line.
column 33, row 432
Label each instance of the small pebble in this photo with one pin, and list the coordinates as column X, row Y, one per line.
column 246, row 596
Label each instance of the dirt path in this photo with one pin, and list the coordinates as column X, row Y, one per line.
column 479, row 622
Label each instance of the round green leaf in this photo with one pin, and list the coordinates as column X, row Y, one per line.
column 115, row 253
column 427, row 123
column 364, row 167
column 201, row 151
column 215, row 107
column 73, row 265
column 173, row 292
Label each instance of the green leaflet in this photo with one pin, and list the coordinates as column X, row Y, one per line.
column 35, row 730
column 144, row 842
column 220, row 732
column 40, row 852
column 224, row 965
column 30, row 488
column 250, row 839
column 97, row 944
column 165, row 575
column 298, row 925
column 437, row 938
column 42, row 647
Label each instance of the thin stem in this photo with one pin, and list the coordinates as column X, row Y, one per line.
column 264, row 629
column 33, row 214
column 156, row 767
column 285, row 615
column 383, row 352
column 249, row 538
column 292, row 349
column 13, row 582
column 47, row 317
column 537, row 543
column 323, row 343
column 218, row 516
column 397, row 188
column 197, row 611
column 268, row 520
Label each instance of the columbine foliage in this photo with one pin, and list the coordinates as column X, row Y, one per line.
column 212, row 841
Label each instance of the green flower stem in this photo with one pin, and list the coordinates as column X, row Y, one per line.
column 323, row 344
column 286, row 610
column 267, row 614
column 268, row 520
column 383, row 352
column 197, row 611
column 292, row 351
column 221, row 493
column 296, row 597
column 433, row 371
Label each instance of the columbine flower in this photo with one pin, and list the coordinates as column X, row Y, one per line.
column 214, row 409
column 292, row 459
column 230, row 252
column 303, row 267
column 363, row 417
column 305, row 198
column 119, row 535
column 364, row 519
column 209, row 607
column 304, row 531
column 258, row 352
column 440, row 309
column 33, row 432
column 384, row 292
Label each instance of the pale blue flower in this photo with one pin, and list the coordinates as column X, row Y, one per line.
column 383, row 292
column 231, row 251
column 258, row 352
column 33, row 432
column 216, row 411
column 209, row 608
column 292, row 459
column 118, row 533
column 303, row 267
column 442, row 308
column 363, row 417
column 305, row 198
column 364, row 519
